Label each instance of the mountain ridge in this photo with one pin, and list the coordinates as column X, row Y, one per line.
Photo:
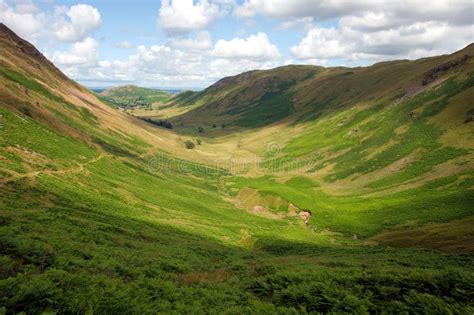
column 306, row 87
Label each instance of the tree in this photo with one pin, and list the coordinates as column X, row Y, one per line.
column 189, row 144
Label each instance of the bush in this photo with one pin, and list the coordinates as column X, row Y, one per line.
column 160, row 123
column 200, row 129
column 189, row 144
column 198, row 141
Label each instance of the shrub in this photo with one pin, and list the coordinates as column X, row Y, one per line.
column 160, row 123
column 189, row 144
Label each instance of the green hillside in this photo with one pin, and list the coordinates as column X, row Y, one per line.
column 130, row 96
column 101, row 212
column 304, row 93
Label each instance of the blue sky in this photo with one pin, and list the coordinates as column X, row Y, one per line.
column 186, row 43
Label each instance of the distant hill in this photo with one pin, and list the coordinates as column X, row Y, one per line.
column 129, row 96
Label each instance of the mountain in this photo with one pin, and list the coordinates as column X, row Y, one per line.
column 132, row 96
column 259, row 98
column 360, row 204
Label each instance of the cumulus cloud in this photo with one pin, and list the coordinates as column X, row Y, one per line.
column 163, row 65
column 358, row 46
column 83, row 53
column 299, row 8
column 255, row 47
column 181, row 16
column 82, row 20
column 455, row 11
column 320, row 43
column 24, row 18
column 67, row 24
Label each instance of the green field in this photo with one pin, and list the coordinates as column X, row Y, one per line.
column 130, row 96
column 101, row 212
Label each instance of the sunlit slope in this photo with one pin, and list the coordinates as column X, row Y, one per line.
column 31, row 85
column 388, row 145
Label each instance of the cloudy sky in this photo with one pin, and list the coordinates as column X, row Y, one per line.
column 193, row 43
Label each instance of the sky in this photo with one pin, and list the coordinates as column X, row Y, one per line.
column 193, row 43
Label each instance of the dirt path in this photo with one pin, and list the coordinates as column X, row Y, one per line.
column 33, row 174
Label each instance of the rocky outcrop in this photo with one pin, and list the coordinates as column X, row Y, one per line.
column 305, row 215
column 434, row 73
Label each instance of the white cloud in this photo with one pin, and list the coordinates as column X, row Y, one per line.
column 298, row 8
column 455, row 11
column 24, row 18
column 166, row 66
column 83, row 19
column 181, row 16
column 356, row 45
column 320, row 43
column 67, row 24
column 83, row 53
column 124, row 44
column 202, row 41
column 377, row 30
column 255, row 47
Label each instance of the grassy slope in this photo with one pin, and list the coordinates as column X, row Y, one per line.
column 96, row 218
column 303, row 93
column 129, row 95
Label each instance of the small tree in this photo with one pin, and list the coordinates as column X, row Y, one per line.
column 189, row 144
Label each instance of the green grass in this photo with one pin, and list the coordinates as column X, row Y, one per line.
column 28, row 83
column 167, row 250
column 130, row 96
column 89, row 225
column 271, row 107
column 367, row 216
column 375, row 128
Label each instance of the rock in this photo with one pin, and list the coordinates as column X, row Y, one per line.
column 305, row 214
column 432, row 74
